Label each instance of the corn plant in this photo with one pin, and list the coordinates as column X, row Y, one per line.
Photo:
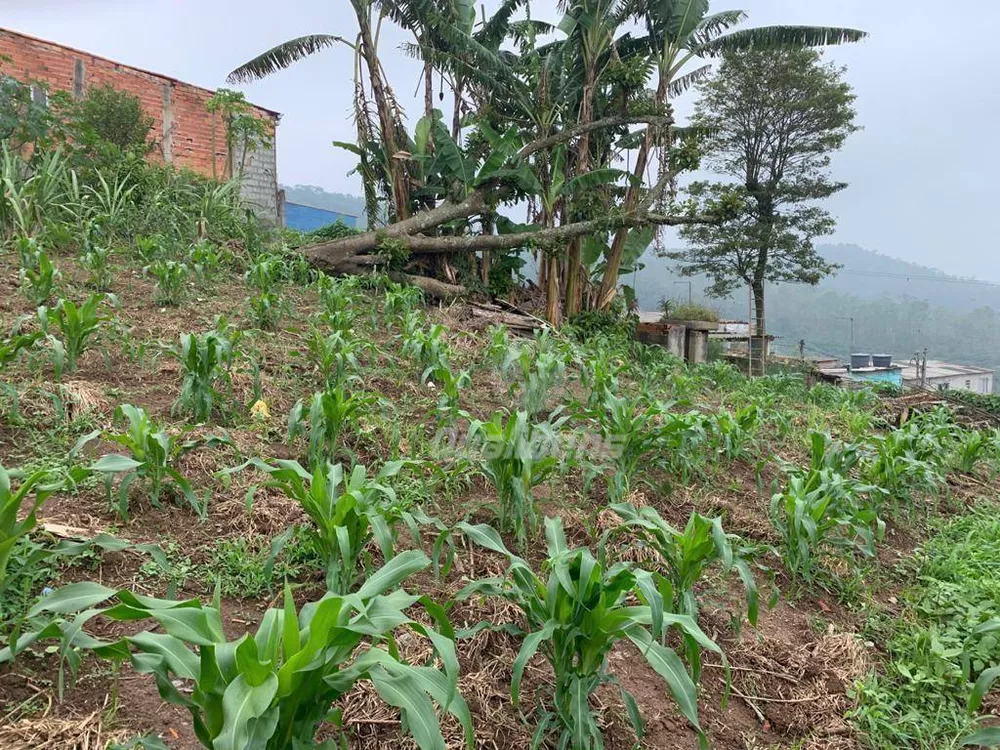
column 428, row 347
column 451, row 384
column 970, row 446
column 16, row 343
column 149, row 249
column 684, row 556
column 206, row 359
column 266, row 309
column 152, row 458
column 399, row 300
column 273, row 689
column 38, row 275
column 820, row 508
column 330, row 412
column 515, row 456
column 338, row 294
column 19, row 508
column 731, row 431
column 171, row 277
column 599, row 375
column 631, row 431
column 76, row 326
column 906, row 461
column 574, row 619
column 205, row 259
column 498, row 346
column 96, row 260
column 347, row 511
column 335, row 355
column 265, row 273
column 541, row 369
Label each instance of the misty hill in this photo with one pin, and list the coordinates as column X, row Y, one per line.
column 896, row 306
column 317, row 197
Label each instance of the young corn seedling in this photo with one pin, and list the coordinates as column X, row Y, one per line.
column 205, row 260
column 273, row 689
column 599, row 375
column 16, row 343
column 684, row 556
column 206, row 360
column 329, row 413
column 574, row 619
column 171, row 278
column 338, row 295
column 515, row 456
column 152, row 455
column 19, row 508
column 541, row 370
column 428, row 348
column 970, row 446
column 38, row 275
column 97, row 262
column 266, row 309
column 399, row 300
column 730, row 432
column 451, row 384
column 498, row 347
column 347, row 511
column 634, row 436
column 822, row 508
column 149, row 249
column 335, row 356
column 76, row 326
column 266, row 273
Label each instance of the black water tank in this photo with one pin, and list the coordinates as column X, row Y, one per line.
column 882, row 360
column 860, row 360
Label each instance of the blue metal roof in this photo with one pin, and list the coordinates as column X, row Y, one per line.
column 308, row 218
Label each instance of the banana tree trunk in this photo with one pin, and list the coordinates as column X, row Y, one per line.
column 387, row 120
column 574, row 255
column 609, row 283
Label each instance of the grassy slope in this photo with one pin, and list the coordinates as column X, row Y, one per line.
column 793, row 676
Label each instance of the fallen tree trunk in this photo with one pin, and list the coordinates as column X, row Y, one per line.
column 432, row 287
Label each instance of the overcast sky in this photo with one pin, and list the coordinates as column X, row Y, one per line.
column 921, row 173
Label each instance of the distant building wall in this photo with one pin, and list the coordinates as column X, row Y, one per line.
column 977, row 383
column 308, row 218
column 186, row 135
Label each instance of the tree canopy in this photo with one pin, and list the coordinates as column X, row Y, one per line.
column 771, row 120
column 571, row 120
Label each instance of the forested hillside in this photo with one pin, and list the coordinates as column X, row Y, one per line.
column 898, row 307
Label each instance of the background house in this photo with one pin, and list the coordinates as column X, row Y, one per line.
column 186, row 134
column 945, row 376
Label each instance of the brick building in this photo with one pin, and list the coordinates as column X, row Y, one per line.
column 186, row 135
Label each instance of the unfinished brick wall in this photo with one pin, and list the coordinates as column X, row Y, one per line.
column 186, row 134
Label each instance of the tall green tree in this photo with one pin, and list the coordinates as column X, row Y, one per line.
column 773, row 119
column 681, row 36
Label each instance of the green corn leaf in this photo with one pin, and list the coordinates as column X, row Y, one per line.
column 73, row 598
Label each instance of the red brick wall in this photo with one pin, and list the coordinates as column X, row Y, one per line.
column 194, row 139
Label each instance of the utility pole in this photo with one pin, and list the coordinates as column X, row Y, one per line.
column 802, row 348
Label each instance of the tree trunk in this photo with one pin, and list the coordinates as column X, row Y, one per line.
column 428, row 90
column 387, row 120
column 574, row 255
column 609, row 283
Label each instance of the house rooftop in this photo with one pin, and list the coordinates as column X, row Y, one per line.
column 938, row 369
